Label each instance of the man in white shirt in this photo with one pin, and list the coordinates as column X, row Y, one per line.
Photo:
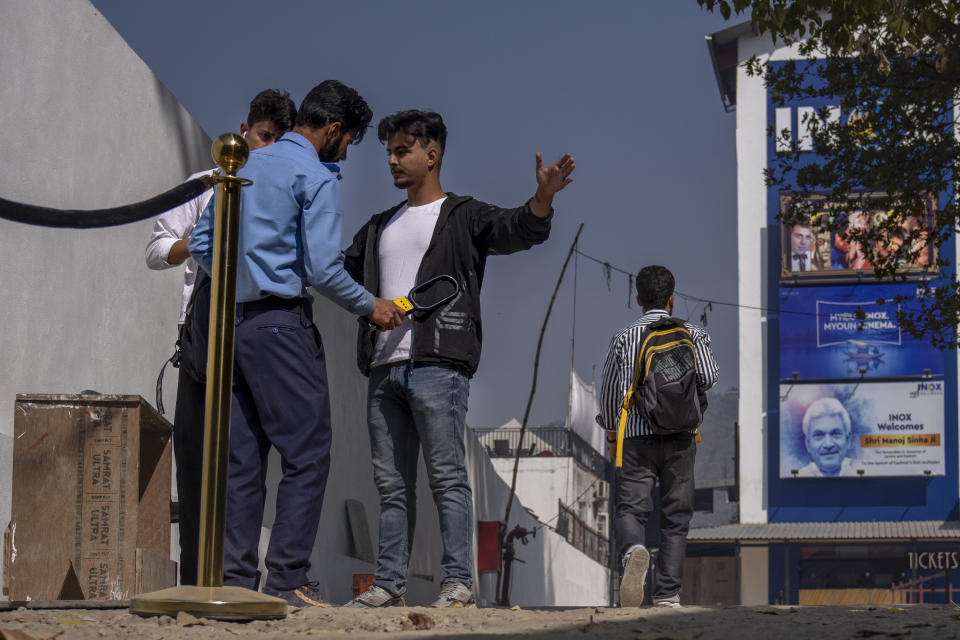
column 419, row 372
column 271, row 114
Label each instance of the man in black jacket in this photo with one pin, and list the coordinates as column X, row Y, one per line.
column 419, row 372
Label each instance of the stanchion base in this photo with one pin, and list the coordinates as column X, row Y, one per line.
column 217, row 603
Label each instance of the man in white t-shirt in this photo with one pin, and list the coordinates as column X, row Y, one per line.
column 419, row 372
column 271, row 115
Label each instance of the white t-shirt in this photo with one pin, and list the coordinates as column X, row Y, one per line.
column 404, row 242
column 177, row 224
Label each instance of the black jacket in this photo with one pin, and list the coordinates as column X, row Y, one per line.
column 467, row 232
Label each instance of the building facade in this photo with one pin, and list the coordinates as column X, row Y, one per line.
column 848, row 449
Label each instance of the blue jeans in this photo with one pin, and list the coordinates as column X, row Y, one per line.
column 407, row 407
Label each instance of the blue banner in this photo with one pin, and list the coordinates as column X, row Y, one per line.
column 851, row 330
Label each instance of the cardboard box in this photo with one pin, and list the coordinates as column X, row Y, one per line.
column 90, row 518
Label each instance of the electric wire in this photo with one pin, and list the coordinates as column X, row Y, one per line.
column 707, row 301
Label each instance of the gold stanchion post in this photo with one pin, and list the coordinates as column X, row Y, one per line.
column 210, row 598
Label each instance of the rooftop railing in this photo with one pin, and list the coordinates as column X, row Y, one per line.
column 544, row 442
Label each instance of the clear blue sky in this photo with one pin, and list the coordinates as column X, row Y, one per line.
column 625, row 86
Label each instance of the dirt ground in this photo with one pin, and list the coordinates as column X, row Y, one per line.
column 911, row 622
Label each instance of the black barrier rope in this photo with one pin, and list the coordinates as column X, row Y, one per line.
column 78, row 219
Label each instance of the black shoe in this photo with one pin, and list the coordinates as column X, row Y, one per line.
column 306, row 596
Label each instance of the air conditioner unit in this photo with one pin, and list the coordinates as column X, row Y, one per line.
column 603, row 490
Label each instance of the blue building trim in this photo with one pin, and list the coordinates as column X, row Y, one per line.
column 852, row 498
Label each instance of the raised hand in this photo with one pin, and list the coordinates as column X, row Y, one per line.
column 555, row 177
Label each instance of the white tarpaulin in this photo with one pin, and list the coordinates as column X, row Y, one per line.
column 583, row 411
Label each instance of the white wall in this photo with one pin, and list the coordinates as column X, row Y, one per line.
column 540, row 483
column 87, row 125
column 752, row 142
column 553, row 573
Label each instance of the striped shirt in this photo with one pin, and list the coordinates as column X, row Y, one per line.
column 618, row 372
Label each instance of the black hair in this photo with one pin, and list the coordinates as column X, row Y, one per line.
column 425, row 126
column 275, row 106
column 333, row 101
column 655, row 286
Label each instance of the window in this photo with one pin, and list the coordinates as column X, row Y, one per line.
column 703, row 500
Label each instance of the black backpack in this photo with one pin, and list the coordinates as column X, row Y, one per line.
column 664, row 384
column 194, row 332
column 190, row 352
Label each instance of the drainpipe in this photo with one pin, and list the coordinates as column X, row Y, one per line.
column 509, row 555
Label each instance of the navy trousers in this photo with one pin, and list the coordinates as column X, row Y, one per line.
column 280, row 399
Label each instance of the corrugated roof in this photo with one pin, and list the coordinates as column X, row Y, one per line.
column 920, row 530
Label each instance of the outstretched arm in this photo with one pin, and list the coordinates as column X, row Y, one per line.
column 550, row 180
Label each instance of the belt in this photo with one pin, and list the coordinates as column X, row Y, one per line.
column 271, row 303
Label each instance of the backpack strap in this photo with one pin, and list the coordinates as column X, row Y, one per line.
column 628, row 401
column 630, row 397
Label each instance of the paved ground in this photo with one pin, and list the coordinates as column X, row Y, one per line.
column 914, row 622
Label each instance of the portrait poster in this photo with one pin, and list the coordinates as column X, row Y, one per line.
column 867, row 429
column 821, row 335
column 809, row 252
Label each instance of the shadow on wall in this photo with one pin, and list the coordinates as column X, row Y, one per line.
column 183, row 130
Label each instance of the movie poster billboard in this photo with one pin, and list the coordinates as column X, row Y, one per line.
column 810, row 252
column 821, row 335
column 866, row 429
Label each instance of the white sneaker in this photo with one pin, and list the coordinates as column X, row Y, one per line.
column 635, row 564
column 453, row 594
column 376, row 596
column 672, row 602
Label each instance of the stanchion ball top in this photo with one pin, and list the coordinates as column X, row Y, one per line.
column 230, row 152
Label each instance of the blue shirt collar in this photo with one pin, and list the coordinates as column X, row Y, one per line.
column 301, row 141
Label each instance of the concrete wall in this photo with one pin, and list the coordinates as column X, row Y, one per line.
column 553, row 572
column 541, row 482
column 87, row 125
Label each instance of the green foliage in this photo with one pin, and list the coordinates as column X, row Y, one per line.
column 887, row 63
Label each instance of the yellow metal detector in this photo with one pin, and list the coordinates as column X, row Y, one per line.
column 430, row 294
